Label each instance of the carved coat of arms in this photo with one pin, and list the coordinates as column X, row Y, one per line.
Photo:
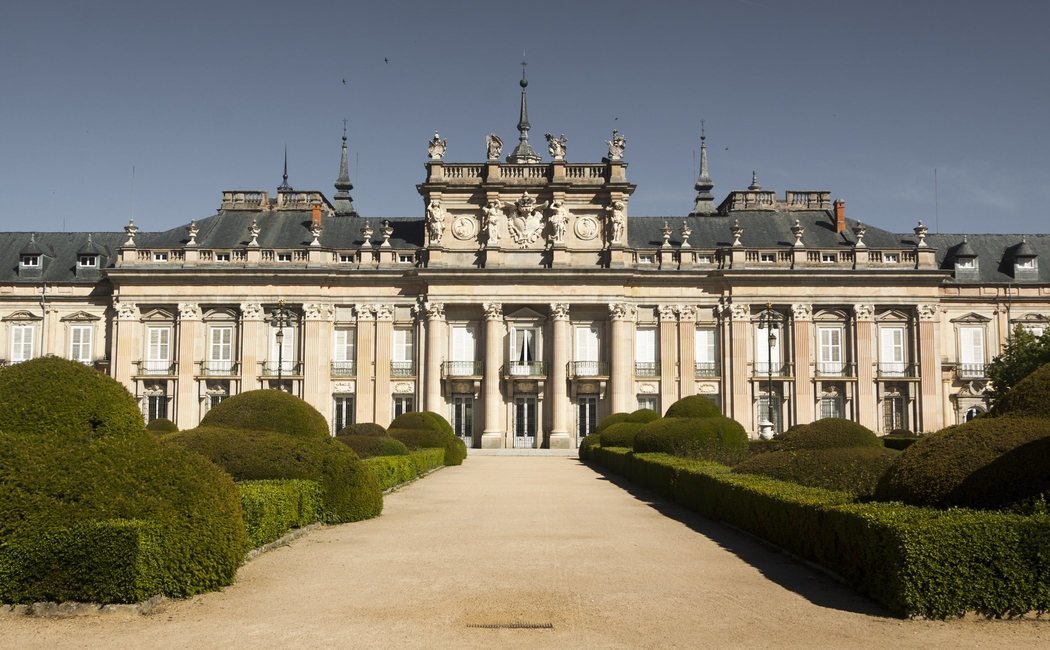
column 526, row 224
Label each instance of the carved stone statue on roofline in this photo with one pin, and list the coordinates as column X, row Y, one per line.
column 616, row 145
column 436, row 147
column 493, row 146
column 435, row 222
column 556, row 146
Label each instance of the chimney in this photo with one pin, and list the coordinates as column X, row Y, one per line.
column 315, row 213
column 840, row 216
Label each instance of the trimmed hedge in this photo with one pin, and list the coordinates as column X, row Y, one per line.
column 272, row 508
column 395, row 470
column 855, row 470
column 694, row 406
column 643, row 416
column 900, row 442
column 1028, row 398
column 718, row 438
column 363, row 429
column 369, row 446
column 268, row 410
column 609, row 420
column 829, row 433
column 620, row 434
column 162, row 425
column 423, row 420
column 351, row 492
column 53, row 395
column 428, row 430
column 916, row 561
column 588, row 444
column 59, row 490
column 986, row 463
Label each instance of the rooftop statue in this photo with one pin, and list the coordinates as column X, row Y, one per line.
column 493, row 146
column 617, row 221
column 556, row 146
column 491, row 222
column 435, row 222
column 616, row 145
column 559, row 221
column 436, row 147
column 526, row 224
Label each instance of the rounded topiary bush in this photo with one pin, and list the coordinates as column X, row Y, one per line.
column 162, row 425
column 369, row 446
column 643, row 416
column 1028, row 398
column 268, row 410
column 363, row 429
column 588, row 444
column 829, row 433
column 53, row 481
column 719, row 439
column 620, row 434
column 899, row 442
column 694, row 406
column 856, row 470
column 351, row 492
column 986, row 463
column 49, row 394
column 610, row 420
column 423, row 430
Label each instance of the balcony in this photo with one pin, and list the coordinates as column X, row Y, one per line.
column 156, row 368
column 587, row 369
column 706, row 369
column 402, row 368
column 461, row 369
column 834, row 369
column 219, row 369
column 970, row 371
column 344, row 369
column 897, row 369
column 526, row 369
column 268, row 369
column 772, row 369
column 647, row 369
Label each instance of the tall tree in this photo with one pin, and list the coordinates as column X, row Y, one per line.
column 1023, row 354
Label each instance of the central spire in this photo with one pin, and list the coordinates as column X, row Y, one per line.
column 343, row 202
column 523, row 153
column 705, row 201
column 284, row 186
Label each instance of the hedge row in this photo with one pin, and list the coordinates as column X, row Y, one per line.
column 395, row 470
column 273, row 507
column 916, row 561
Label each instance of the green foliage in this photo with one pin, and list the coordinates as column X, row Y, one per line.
column 363, row 429
column 694, row 406
column 900, row 442
column 427, row 430
column 59, row 490
column 916, row 561
column 350, row 491
column 756, row 447
column 609, row 420
column 588, row 444
column 423, row 420
column 620, row 434
column 1028, row 397
column 391, row 471
column 272, row 508
column 52, row 395
column 986, row 463
column 268, row 410
column 719, row 438
column 856, row 470
column 829, row 433
column 643, row 416
column 1022, row 355
column 162, row 425
column 369, row 446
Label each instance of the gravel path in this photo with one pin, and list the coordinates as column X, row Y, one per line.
column 548, row 543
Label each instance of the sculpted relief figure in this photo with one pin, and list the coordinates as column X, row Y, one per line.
column 435, row 222
column 526, row 224
column 491, row 222
column 556, row 146
column 493, row 146
column 617, row 221
column 436, row 147
column 559, row 221
column 616, row 145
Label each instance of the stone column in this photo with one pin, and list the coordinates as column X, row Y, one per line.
column 51, row 340
column 668, row 355
column 802, row 342
column 740, row 344
column 686, row 352
column 384, row 354
column 317, row 357
column 127, row 343
column 493, row 433
column 561, row 337
column 867, row 399
column 437, row 335
column 187, row 399
column 366, row 372
column 621, row 374
column 930, row 368
column 253, row 342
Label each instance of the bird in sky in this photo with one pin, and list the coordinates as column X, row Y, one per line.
column 386, row 60
column 344, row 82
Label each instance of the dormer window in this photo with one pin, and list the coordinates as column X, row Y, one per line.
column 87, row 261
column 160, row 257
column 31, row 261
column 767, row 258
column 1026, row 264
column 222, row 257
column 284, row 257
column 346, row 258
column 828, row 258
column 646, row 259
column 966, row 263
column 404, row 258
column 891, row 258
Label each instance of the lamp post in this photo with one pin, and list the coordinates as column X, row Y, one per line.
column 280, row 320
column 768, row 322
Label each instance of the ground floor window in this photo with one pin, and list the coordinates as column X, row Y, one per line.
column 831, row 404
column 768, row 407
column 894, row 411
column 404, row 404
column 649, row 402
column 215, row 399
column 586, row 415
column 156, row 407
column 463, row 417
column 344, row 412
column 972, row 412
column 525, row 425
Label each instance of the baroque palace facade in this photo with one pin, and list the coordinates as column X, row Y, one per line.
column 526, row 304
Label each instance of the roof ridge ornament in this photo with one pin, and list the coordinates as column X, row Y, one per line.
column 705, row 201
column 754, row 186
column 284, row 186
column 344, row 202
column 523, row 153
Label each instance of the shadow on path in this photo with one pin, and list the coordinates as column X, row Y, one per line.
column 772, row 562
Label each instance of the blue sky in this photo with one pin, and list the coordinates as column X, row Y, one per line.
column 861, row 98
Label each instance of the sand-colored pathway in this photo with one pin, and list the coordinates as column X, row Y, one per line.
column 545, row 542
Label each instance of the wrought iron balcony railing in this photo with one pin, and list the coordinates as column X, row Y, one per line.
column 219, row 369
column 402, row 369
column 588, row 369
column 646, row 368
column 157, row 368
column 706, row 369
column 897, row 369
column 971, row 371
column 282, row 368
column 772, row 368
column 344, row 368
column 526, row 369
column 462, row 369
column 835, row 369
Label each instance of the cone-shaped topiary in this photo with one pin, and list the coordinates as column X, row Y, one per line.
column 720, row 439
column 1028, row 398
column 856, row 470
column 986, row 463
column 363, row 429
column 49, row 394
column 370, row 446
column 829, row 433
column 694, row 406
column 268, row 410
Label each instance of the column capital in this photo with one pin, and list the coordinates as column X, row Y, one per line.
column 864, row 311
column 740, row 311
column 493, row 310
column 559, row 311
column 686, row 313
column 189, row 311
column 434, row 310
column 251, row 311
column 318, row 311
column 383, row 312
column 666, row 313
column 929, row 312
column 126, row 310
column 365, row 312
column 622, row 311
column 802, row 311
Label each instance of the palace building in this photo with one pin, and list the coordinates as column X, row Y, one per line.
column 527, row 303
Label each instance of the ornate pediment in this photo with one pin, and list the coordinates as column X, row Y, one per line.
column 892, row 315
column 80, row 316
column 158, row 314
column 22, row 315
column 971, row 318
column 524, row 314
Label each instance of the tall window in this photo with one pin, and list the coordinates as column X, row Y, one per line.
column 463, row 417
column 586, row 415
column 649, row 402
column 344, row 412
column 645, row 358
column 404, row 353
column 524, row 348
column 80, row 343
column 971, row 352
column 282, row 348
column 22, row 337
column 831, row 404
column 829, row 351
column 463, row 347
column 891, row 351
column 220, row 349
column 706, row 351
column 587, row 351
column 767, row 357
column 156, row 407
column 404, row 404
column 894, row 412
column 765, row 413
column 158, row 349
column 525, row 424
column 343, row 353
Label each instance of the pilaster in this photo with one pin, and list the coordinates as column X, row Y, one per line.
column 493, row 432
column 187, row 400
column 561, row 335
column 686, row 352
column 317, row 355
column 740, row 344
column 437, row 335
column 384, row 348
column 930, row 368
column 867, row 413
column 802, row 342
column 253, row 343
column 127, row 334
column 366, row 370
column 621, row 374
column 668, row 355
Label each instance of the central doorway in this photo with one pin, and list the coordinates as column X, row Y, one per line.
column 525, row 424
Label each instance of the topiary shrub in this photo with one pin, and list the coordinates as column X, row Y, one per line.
column 719, row 439
column 694, row 406
column 900, row 442
column 1028, row 398
column 369, row 446
column 268, row 410
column 49, row 394
column 829, row 433
column 162, row 425
column 620, row 434
column 425, row 429
column 856, row 470
column 350, row 491
column 588, row 444
column 643, row 416
column 610, row 420
column 988, row 463
column 54, row 483
column 363, row 429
